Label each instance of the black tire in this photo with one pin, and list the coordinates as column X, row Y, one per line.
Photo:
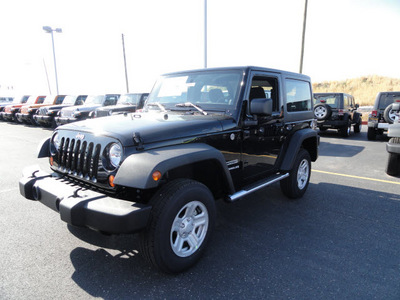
column 357, row 126
column 345, row 130
column 176, row 207
column 371, row 134
column 322, row 111
column 53, row 124
column 296, row 184
column 388, row 114
column 393, row 163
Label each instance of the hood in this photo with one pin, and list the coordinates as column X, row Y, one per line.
column 82, row 107
column 152, row 127
column 117, row 107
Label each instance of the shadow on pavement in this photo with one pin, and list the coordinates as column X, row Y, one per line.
column 336, row 242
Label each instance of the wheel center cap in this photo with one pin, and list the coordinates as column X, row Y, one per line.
column 186, row 227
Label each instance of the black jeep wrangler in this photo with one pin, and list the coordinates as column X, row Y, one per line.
column 382, row 114
column 203, row 135
column 337, row 111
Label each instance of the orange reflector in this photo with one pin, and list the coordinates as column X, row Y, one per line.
column 51, row 160
column 111, row 180
column 156, row 175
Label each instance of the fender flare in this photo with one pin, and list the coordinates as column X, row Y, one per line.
column 44, row 148
column 137, row 169
column 296, row 142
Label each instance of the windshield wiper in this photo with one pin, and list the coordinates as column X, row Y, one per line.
column 190, row 104
column 159, row 105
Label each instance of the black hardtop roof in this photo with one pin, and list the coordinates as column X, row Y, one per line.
column 333, row 94
column 244, row 69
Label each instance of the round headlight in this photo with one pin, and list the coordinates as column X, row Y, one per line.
column 115, row 154
column 55, row 143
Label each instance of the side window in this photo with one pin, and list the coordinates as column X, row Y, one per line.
column 298, row 95
column 265, row 87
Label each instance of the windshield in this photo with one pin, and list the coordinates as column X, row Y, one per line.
column 90, row 100
column 209, row 90
column 49, row 100
column 331, row 99
column 129, row 99
column 69, row 100
column 31, row 100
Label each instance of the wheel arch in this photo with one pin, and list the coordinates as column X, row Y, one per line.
column 305, row 138
column 196, row 161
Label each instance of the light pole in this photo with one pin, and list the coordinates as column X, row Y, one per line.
column 50, row 30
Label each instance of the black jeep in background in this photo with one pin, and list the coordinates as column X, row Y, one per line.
column 127, row 103
column 337, row 111
column 382, row 114
column 203, row 135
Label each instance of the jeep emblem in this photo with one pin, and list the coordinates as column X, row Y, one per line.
column 80, row 136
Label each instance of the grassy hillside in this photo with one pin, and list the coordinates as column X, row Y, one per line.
column 364, row 89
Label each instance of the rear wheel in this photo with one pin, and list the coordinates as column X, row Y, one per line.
column 371, row 134
column 345, row 130
column 182, row 219
column 357, row 126
column 296, row 184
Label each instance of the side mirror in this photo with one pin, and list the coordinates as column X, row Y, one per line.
column 261, row 106
column 357, row 106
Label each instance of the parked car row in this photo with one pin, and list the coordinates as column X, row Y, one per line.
column 52, row 111
column 339, row 111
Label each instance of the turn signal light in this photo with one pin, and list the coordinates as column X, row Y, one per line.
column 51, row 160
column 156, row 175
column 111, row 180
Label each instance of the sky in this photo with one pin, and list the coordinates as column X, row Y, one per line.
column 344, row 39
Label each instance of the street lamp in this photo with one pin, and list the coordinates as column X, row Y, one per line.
column 50, row 30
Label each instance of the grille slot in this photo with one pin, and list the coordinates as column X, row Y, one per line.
column 80, row 158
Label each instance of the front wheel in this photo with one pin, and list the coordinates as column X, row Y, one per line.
column 296, row 184
column 181, row 222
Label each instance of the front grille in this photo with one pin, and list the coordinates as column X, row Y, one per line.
column 102, row 113
column 79, row 158
column 67, row 113
column 42, row 111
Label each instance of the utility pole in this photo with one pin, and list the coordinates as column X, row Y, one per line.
column 126, row 71
column 205, row 33
column 303, row 37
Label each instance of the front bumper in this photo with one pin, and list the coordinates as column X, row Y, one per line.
column 7, row 116
column 65, row 120
column 393, row 148
column 41, row 119
column 81, row 207
column 23, row 117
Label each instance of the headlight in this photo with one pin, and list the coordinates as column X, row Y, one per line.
column 77, row 113
column 55, row 144
column 115, row 154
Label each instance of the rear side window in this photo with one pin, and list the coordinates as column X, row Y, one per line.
column 298, row 95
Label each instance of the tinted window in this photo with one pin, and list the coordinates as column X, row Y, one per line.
column 331, row 99
column 298, row 95
column 388, row 98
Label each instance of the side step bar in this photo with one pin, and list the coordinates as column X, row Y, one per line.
column 260, row 185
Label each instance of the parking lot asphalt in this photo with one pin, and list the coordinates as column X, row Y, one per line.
column 340, row 241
